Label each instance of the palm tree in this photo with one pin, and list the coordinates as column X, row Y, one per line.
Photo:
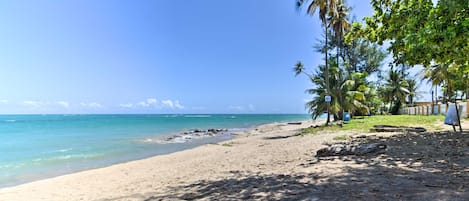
column 326, row 8
column 340, row 25
column 354, row 96
column 300, row 68
column 395, row 90
column 439, row 74
column 413, row 85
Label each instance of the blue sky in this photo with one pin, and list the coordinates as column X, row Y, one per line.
column 160, row 56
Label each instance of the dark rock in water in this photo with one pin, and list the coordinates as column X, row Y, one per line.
column 343, row 150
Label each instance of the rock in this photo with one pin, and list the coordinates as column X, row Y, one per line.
column 343, row 150
column 390, row 128
column 294, row 123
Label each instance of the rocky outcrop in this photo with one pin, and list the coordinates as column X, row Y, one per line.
column 194, row 134
column 343, row 150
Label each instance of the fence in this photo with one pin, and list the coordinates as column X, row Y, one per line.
column 426, row 109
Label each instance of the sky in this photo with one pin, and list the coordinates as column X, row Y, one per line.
column 165, row 56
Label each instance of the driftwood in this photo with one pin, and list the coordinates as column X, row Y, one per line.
column 343, row 150
column 389, row 128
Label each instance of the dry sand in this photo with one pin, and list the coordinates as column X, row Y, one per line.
column 271, row 162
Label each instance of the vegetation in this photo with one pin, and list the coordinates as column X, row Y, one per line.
column 420, row 33
column 341, row 137
column 366, row 123
column 327, row 9
column 416, row 32
column 344, row 77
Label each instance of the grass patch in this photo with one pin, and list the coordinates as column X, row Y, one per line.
column 364, row 124
column 340, row 137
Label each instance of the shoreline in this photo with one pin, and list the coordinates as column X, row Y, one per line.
column 273, row 162
column 84, row 153
column 232, row 136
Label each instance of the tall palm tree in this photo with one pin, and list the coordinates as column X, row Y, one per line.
column 340, row 25
column 326, row 8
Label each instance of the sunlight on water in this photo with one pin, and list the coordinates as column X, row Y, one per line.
column 39, row 146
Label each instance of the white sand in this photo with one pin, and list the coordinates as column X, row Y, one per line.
column 271, row 163
column 135, row 180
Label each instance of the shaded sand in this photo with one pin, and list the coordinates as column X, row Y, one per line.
column 272, row 162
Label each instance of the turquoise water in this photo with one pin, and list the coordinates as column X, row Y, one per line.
column 34, row 147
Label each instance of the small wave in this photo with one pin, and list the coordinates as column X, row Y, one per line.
column 169, row 116
column 178, row 139
column 65, row 158
column 63, row 150
column 197, row 116
column 10, row 120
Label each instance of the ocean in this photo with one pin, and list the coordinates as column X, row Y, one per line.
column 34, row 147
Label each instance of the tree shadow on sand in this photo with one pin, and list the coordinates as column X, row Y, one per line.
column 425, row 166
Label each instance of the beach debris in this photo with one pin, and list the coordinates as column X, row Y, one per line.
column 343, row 150
column 390, row 128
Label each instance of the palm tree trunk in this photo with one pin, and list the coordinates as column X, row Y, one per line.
column 340, row 78
column 327, row 79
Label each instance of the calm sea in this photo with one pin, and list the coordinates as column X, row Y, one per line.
column 35, row 147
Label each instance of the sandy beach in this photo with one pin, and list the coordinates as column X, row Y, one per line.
column 271, row 162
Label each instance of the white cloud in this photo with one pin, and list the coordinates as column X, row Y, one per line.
column 64, row 104
column 31, row 103
column 44, row 104
column 143, row 104
column 172, row 104
column 91, row 105
column 149, row 102
column 167, row 103
column 152, row 101
column 127, row 105
column 3, row 101
column 178, row 105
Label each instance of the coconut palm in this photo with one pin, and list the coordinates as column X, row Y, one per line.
column 326, row 8
column 440, row 75
column 395, row 90
column 340, row 25
column 353, row 90
column 413, row 86
column 300, row 68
